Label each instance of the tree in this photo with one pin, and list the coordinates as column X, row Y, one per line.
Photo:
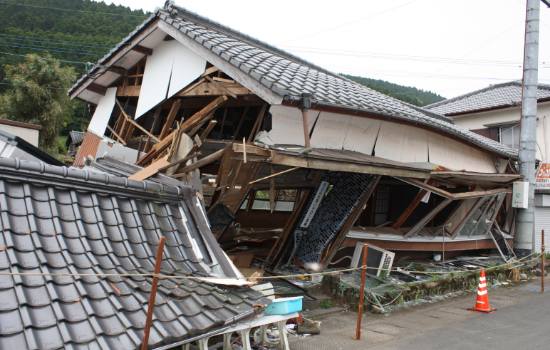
column 39, row 96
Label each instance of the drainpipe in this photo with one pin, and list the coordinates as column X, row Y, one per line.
column 525, row 227
column 305, row 104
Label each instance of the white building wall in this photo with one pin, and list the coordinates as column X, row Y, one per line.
column 29, row 135
column 478, row 120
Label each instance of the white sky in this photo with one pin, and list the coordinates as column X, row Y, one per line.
column 448, row 47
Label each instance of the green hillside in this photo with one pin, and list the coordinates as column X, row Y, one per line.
column 407, row 94
column 75, row 31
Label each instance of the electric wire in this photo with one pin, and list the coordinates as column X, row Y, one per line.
column 62, row 9
column 36, row 87
column 54, row 42
column 41, row 37
column 347, row 24
column 52, row 50
column 43, row 58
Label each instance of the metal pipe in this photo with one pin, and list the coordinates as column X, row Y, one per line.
column 305, row 104
column 523, row 239
column 362, row 292
column 153, row 295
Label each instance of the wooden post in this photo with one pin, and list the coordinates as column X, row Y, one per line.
column 543, row 272
column 153, row 295
column 362, row 292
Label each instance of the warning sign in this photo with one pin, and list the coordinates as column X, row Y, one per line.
column 543, row 176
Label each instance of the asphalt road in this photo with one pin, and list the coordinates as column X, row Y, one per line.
column 522, row 321
column 525, row 325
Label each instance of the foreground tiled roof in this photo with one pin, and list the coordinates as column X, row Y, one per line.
column 56, row 220
column 499, row 95
column 288, row 75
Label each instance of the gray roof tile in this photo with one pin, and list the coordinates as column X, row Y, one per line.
column 96, row 230
column 499, row 95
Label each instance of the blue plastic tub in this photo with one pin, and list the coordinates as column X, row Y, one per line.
column 283, row 306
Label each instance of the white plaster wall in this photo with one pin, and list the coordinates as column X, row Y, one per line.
column 478, row 120
column 29, row 135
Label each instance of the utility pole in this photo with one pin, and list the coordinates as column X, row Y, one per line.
column 525, row 223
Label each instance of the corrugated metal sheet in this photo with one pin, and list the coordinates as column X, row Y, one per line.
column 89, row 147
column 542, row 222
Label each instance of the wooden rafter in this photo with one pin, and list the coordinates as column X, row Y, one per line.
column 412, row 206
column 128, row 118
column 170, row 119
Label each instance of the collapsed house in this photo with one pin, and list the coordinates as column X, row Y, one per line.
column 296, row 164
column 77, row 253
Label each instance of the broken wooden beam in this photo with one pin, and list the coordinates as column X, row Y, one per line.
column 183, row 160
column 258, row 123
column 240, row 123
column 149, row 171
column 226, row 90
column 273, row 175
column 118, row 137
column 412, row 206
column 202, row 162
column 203, row 113
column 170, row 119
column 128, row 118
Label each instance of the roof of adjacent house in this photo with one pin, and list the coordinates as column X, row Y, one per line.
column 58, row 220
column 287, row 75
column 494, row 96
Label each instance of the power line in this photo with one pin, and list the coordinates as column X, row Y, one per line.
column 477, row 48
column 37, row 87
column 43, row 58
column 62, row 9
column 400, row 57
column 53, row 50
column 35, row 46
column 347, row 24
column 54, row 41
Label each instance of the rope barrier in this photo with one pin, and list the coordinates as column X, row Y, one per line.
column 255, row 278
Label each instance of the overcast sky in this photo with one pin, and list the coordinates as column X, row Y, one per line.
column 448, row 47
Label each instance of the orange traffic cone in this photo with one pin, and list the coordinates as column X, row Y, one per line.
column 482, row 302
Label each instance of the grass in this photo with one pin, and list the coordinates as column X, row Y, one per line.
column 326, row 304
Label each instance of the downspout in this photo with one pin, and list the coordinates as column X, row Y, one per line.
column 305, row 104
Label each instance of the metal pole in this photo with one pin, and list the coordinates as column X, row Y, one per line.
column 543, row 262
column 523, row 239
column 362, row 292
column 153, row 295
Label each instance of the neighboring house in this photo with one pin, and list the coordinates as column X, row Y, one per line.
column 28, row 132
column 12, row 146
column 78, row 242
column 495, row 112
column 74, row 140
column 349, row 162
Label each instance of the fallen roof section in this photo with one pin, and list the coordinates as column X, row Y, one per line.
column 347, row 161
column 101, row 232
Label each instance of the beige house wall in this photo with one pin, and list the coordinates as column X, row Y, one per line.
column 29, row 135
column 478, row 120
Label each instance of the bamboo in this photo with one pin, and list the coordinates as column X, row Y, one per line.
column 362, row 292
column 153, row 295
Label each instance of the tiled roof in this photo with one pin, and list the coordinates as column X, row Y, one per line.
column 499, row 95
column 58, row 220
column 288, row 75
